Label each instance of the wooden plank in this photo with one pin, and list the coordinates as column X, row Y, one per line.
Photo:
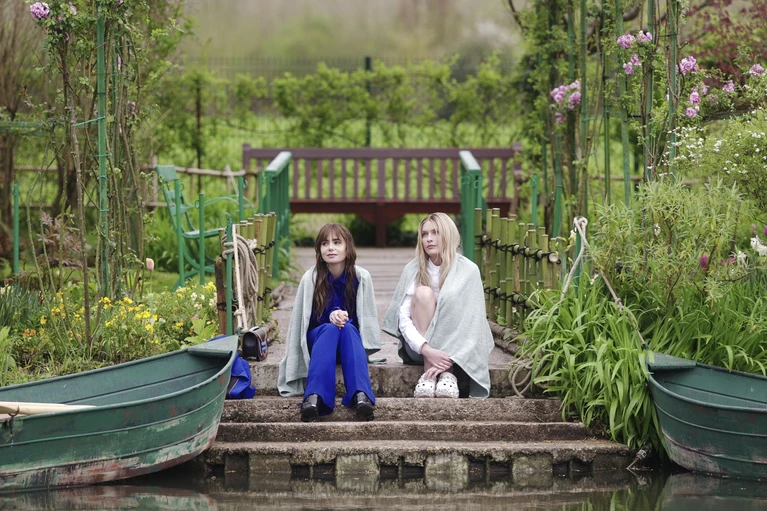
column 295, row 178
column 491, row 179
column 367, row 178
column 307, row 178
column 419, row 178
column 381, row 179
column 331, row 177
column 431, row 178
column 394, row 171
column 443, row 177
column 407, row 178
column 378, row 152
column 456, row 177
column 343, row 178
column 319, row 177
column 504, row 167
column 356, row 179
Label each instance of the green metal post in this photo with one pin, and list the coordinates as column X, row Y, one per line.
column 606, row 121
column 102, row 134
column 672, row 22
column 179, row 237
column 201, row 239
column 623, row 114
column 241, row 197
column 15, row 193
column 570, row 117
column 543, row 136
column 649, row 150
column 557, row 187
column 229, row 256
column 534, row 205
column 477, row 242
column 584, row 108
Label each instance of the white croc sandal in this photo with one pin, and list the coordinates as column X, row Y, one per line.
column 424, row 388
column 447, row 386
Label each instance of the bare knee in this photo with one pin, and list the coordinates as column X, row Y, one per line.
column 424, row 296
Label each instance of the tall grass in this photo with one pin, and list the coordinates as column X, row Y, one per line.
column 588, row 351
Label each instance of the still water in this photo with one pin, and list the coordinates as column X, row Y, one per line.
column 643, row 491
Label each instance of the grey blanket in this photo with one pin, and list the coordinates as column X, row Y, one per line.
column 459, row 327
column 294, row 367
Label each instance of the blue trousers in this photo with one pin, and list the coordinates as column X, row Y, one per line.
column 329, row 345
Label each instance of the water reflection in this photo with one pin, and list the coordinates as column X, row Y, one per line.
column 110, row 497
column 613, row 491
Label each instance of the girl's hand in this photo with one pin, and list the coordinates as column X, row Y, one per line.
column 339, row 318
column 437, row 359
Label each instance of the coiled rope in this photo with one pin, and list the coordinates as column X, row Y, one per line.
column 245, row 278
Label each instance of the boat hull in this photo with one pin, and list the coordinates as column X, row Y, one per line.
column 713, row 421
column 117, row 440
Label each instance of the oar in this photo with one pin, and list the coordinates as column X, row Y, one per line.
column 18, row 408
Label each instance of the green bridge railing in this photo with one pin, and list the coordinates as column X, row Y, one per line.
column 273, row 197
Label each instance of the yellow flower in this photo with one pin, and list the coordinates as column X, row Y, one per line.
column 43, row 320
column 210, row 286
column 82, row 310
column 149, row 327
column 106, row 300
column 127, row 300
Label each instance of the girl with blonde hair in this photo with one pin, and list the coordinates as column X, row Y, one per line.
column 438, row 313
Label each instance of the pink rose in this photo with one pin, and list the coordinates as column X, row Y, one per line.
column 149, row 264
column 694, row 97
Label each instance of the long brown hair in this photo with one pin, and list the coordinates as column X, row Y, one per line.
column 322, row 284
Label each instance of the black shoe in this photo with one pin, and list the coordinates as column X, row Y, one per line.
column 363, row 407
column 310, row 408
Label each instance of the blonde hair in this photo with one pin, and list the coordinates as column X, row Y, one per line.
column 450, row 242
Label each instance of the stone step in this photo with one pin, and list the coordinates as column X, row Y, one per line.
column 435, row 457
column 388, row 380
column 361, row 432
column 286, row 409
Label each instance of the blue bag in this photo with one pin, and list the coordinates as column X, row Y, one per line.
column 240, row 381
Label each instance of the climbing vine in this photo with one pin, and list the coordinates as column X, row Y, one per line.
column 137, row 36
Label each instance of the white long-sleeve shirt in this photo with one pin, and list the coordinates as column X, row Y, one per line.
column 406, row 326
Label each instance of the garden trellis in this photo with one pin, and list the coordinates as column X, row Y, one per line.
column 591, row 68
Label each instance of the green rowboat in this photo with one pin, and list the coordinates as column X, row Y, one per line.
column 714, row 421
column 691, row 492
column 144, row 416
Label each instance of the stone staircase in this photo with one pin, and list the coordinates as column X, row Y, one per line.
column 443, row 442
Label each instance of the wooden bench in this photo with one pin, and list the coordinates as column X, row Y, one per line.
column 383, row 184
